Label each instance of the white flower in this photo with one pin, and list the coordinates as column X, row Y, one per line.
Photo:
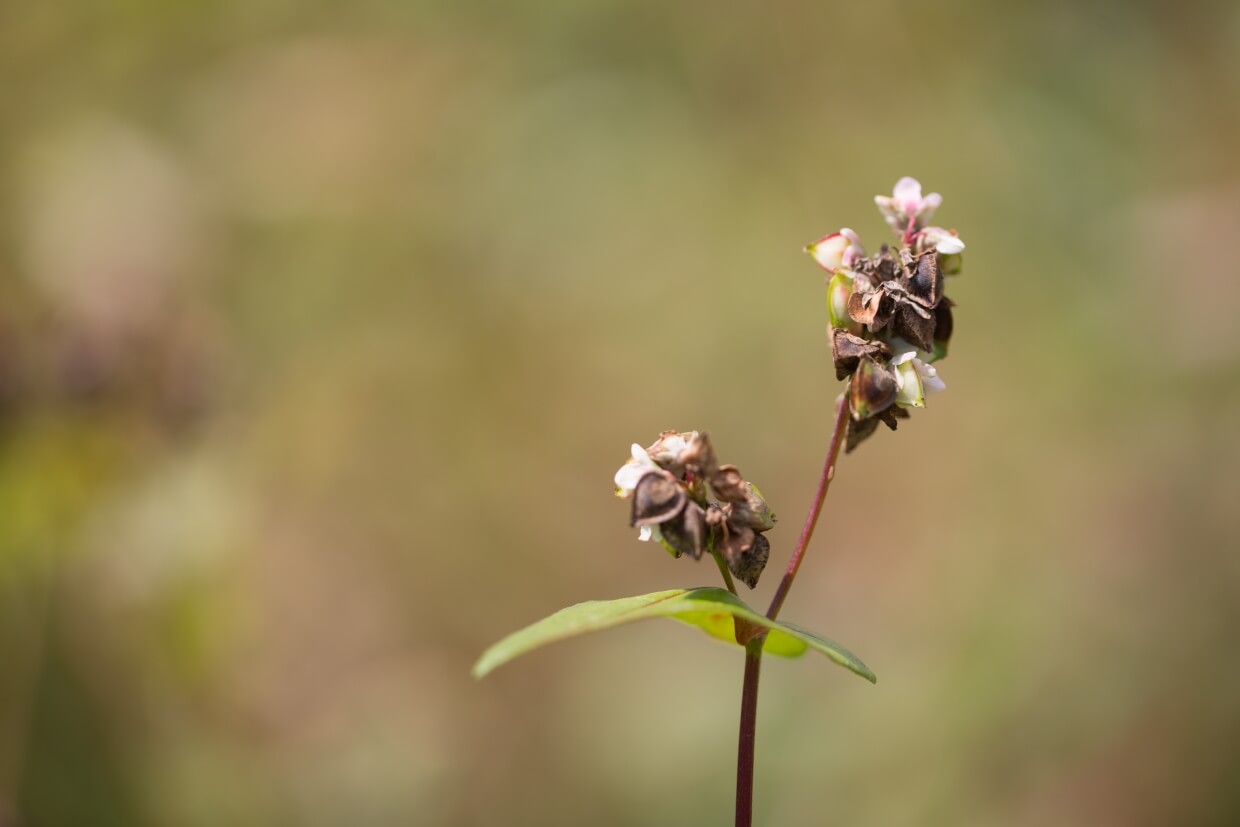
column 632, row 471
column 907, row 204
column 943, row 241
column 836, row 251
column 914, row 380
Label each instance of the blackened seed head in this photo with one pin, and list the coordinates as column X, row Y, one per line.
column 943, row 321
column 872, row 389
column 859, row 432
column 728, row 484
column 915, row 324
column 748, row 566
column 687, row 532
column 657, row 498
column 847, row 351
column 926, row 280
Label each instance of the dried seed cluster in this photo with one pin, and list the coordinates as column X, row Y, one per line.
column 890, row 320
column 683, row 498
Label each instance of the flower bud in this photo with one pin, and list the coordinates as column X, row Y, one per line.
column 835, row 251
column 838, row 290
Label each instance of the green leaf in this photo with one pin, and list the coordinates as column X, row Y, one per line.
column 711, row 610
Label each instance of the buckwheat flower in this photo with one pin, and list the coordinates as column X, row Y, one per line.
column 836, row 251
column 914, row 380
column 906, row 205
column 631, row 473
column 943, row 241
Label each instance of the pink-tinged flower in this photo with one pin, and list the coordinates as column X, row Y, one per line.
column 914, row 380
column 836, row 251
column 907, row 204
column 943, row 241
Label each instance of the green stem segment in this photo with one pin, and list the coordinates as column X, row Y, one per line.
column 723, row 569
column 753, row 646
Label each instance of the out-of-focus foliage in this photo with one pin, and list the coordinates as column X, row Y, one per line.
column 323, row 327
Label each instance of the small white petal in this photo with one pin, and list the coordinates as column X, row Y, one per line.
column 929, row 377
column 942, row 240
column 950, row 246
column 628, row 476
column 932, row 201
column 632, row 471
column 645, row 533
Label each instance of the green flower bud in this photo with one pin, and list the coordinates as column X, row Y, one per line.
column 839, row 288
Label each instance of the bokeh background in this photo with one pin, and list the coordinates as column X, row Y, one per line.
column 323, row 327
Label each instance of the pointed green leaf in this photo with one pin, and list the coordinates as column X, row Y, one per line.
column 711, row 610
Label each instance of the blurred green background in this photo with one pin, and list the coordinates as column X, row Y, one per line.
column 323, row 327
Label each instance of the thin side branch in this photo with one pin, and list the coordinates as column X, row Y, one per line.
column 811, row 519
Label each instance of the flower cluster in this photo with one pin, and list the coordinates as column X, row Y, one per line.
column 890, row 320
column 683, row 498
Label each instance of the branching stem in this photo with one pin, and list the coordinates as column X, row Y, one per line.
column 753, row 646
column 811, row 519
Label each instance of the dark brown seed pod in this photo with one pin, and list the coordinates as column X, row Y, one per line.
column 687, row 532
column 847, row 350
column 872, row 389
column 748, row 566
column 657, row 498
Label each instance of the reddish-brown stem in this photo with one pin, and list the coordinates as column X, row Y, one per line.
column 811, row 519
column 749, row 723
column 907, row 238
column 753, row 646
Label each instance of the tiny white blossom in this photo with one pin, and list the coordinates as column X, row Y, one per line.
column 632, row 471
column 837, row 250
column 906, row 203
column 944, row 241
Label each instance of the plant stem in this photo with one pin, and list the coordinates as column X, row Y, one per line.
column 723, row 569
column 811, row 519
column 753, row 646
column 749, row 723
